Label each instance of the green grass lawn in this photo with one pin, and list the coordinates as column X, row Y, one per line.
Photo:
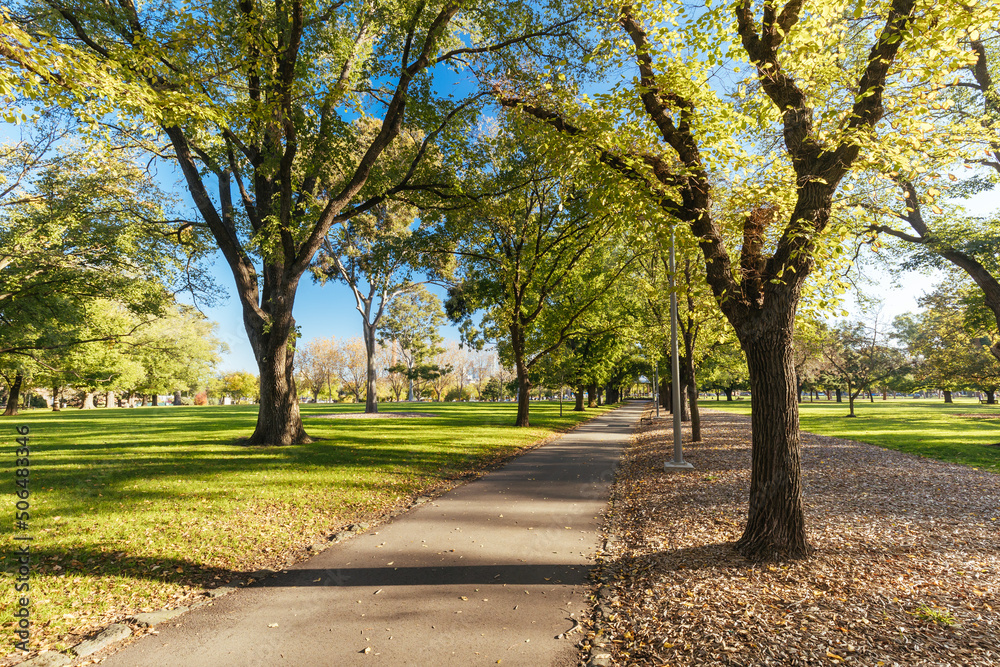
column 963, row 432
column 134, row 508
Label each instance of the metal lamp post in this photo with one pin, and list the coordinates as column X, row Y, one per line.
column 675, row 381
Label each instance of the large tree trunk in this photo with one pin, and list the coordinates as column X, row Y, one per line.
column 947, row 396
column 523, row 395
column 88, row 401
column 109, row 400
column 371, row 395
column 178, row 399
column 775, row 523
column 156, row 399
column 591, row 395
column 991, row 396
column 14, row 396
column 523, row 381
column 279, row 422
column 578, row 394
column 729, row 393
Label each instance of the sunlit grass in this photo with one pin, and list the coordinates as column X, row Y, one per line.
column 131, row 508
column 964, row 432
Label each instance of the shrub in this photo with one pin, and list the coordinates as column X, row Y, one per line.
column 456, row 394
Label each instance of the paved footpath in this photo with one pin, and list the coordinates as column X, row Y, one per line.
column 489, row 573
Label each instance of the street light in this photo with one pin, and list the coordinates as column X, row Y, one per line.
column 675, row 381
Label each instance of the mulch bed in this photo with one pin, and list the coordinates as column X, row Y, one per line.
column 906, row 572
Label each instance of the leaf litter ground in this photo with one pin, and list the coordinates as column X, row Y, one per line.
column 906, row 571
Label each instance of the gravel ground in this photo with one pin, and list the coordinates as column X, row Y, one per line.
column 906, row 572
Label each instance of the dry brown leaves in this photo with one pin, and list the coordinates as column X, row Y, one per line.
column 906, row 572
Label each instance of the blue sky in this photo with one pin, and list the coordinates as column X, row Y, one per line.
column 320, row 311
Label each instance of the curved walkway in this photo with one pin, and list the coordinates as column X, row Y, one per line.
column 490, row 573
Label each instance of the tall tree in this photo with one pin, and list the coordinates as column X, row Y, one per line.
column 352, row 370
column 374, row 255
column 946, row 343
column 412, row 324
column 533, row 259
column 826, row 101
column 77, row 225
column 966, row 132
column 257, row 98
column 317, row 361
column 859, row 353
column 178, row 352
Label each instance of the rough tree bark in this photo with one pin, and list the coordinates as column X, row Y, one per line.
column 521, row 368
column 371, row 394
column 578, row 394
column 14, row 395
column 775, row 522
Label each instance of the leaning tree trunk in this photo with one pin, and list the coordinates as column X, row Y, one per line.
column 14, row 396
column 775, row 523
column 371, row 395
